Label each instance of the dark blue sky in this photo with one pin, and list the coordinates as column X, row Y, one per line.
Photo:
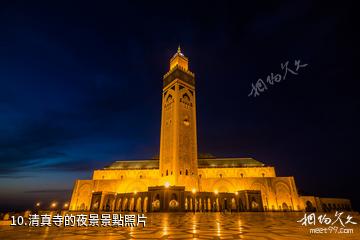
column 80, row 87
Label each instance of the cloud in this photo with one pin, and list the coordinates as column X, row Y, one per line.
column 49, row 191
column 70, row 166
column 11, row 176
column 30, row 145
column 46, row 141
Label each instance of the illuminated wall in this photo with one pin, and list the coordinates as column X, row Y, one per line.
column 178, row 166
column 178, row 141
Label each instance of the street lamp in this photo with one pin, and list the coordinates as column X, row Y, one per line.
column 236, row 201
column 53, row 205
column 167, row 185
column 194, row 192
column 66, row 205
column 216, row 202
column 37, row 206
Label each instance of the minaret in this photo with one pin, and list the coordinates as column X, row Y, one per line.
column 178, row 139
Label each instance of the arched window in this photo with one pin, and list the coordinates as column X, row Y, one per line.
column 180, row 172
column 140, row 176
column 122, row 177
column 157, row 197
column 242, row 175
column 200, row 176
column 186, row 172
column 324, row 207
column 167, row 172
column 173, row 197
column 220, row 175
column 171, row 173
column 263, row 174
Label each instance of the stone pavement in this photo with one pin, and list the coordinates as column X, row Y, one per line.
column 252, row 226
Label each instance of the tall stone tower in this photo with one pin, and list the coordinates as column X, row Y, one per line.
column 178, row 140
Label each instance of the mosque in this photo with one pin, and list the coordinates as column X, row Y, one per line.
column 182, row 180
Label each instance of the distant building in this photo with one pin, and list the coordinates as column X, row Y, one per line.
column 180, row 180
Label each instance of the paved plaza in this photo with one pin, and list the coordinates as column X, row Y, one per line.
column 253, row 226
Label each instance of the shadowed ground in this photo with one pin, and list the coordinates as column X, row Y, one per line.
column 188, row 226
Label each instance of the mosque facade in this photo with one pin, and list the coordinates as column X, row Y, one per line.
column 182, row 180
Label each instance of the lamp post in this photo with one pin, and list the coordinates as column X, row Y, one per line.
column 167, row 185
column 53, row 205
column 216, row 193
column 194, row 193
column 37, row 206
column 236, row 201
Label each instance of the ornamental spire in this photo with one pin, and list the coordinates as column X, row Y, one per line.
column 179, row 60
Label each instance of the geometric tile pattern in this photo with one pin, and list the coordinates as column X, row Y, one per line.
column 254, row 226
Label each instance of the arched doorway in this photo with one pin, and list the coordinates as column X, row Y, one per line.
column 174, row 204
column 82, row 207
column 324, row 207
column 145, row 207
column 156, row 203
column 241, row 206
column 254, row 205
column 233, row 204
column 285, row 207
column 96, row 203
column 225, row 206
column 138, row 204
column 125, row 205
column 309, row 207
column 118, row 205
column 109, row 203
column 132, row 204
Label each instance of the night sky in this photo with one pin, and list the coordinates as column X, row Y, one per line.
column 81, row 83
